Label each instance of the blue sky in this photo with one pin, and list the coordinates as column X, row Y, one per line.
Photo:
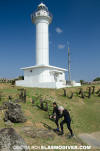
column 76, row 21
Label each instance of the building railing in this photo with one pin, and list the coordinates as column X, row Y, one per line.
column 41, row 13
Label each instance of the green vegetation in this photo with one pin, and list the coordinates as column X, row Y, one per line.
column 85, row 113
column 82, row 82
column 97, row 79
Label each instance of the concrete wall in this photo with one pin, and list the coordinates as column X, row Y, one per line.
column 42, row 78
column 42, row 75
column 53, row 85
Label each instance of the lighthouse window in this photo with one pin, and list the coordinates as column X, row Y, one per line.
column 43, row 8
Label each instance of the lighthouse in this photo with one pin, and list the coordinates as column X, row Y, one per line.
column 42, row 18
column 42, row 74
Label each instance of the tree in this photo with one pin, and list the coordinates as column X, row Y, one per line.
column 97, row 79
column 21, row 77
column 81, row 81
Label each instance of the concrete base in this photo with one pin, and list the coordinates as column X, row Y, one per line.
column 53, row 85
column 43, row 76
column 73, row 84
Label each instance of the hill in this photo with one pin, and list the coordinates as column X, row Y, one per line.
column 85, row 114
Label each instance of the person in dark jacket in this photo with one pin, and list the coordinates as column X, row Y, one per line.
column 56, row 115
column 59, row 112
column 66, row 120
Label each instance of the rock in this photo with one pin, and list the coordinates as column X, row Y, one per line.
column 17, row 101
column 65, row 93
column 14, row 113
column 9, row 124
column 5, row 105
column 9, row 140
column 1, row 108
column 71, row 96
column 38, row 133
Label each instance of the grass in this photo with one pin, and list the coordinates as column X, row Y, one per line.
column 85, row 113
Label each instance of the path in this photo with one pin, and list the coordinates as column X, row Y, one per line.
column 92, row 139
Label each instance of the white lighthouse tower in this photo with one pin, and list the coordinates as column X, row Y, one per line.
column 42, row 74
column 42, row 19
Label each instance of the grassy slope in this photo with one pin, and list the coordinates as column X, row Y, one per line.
column 85, row 114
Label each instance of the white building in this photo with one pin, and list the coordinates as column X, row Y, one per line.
column 42, row 75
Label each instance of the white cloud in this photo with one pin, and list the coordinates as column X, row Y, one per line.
column 60, row 46
column 59, row 30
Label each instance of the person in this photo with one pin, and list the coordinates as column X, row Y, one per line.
column 59, row 112
column 66, row 120
column 56, row 115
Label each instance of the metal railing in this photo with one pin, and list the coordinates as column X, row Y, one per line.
column 41, row 13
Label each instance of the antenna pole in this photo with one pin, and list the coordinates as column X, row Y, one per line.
column 69, row 73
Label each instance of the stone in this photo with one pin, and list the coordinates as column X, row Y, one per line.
column 71, row 96
column 38, row 132
column 21, row 94
column 65, row 94
column 14, row 113
column 92, row 139
column 93, row 89
column 9, row 140
column 5, row 105
column 45, row 106
column 24, row 96
column 33, row 101
column 17, row 101
column 89, row 93
column 9, row 124
column 98, row 91
column 81, row 93
column 0, row 97
column 1, row 107
column 41, row 104
column 9, row 98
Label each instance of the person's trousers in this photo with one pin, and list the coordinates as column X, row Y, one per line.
column 56, row 121
column 68, row 126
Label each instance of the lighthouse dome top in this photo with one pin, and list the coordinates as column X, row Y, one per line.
column 41, row 5
column 41, row 12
